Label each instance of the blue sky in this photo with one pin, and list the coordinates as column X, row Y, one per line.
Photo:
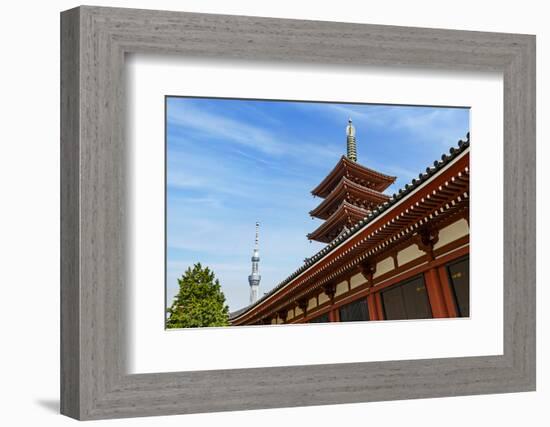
column 231, row 163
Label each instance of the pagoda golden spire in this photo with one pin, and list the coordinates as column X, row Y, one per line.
column 351, row 144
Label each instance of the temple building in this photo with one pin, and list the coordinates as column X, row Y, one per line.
column 404, row 256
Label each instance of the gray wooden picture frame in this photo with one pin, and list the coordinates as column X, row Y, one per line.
column 94, row 41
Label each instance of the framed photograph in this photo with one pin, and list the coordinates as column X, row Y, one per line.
column 229, row 161
column 261, row 213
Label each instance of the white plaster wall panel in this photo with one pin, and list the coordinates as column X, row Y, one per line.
column 384, row 266
column 410, row 253
column 452, row 232
column 357, row 280
column 323, row 298
column 341, row 288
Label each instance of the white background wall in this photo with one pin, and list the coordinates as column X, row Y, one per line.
column 29, row 212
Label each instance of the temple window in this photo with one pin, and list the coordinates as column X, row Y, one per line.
column 323, row 318
column 459, row 276
column 355, row 311
column 407, row 300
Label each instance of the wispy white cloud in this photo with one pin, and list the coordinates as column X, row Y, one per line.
column 213, row 125
column 402, row 173
column 247, row 182
column 206, row 202
column 428, row 125
column 272, row 142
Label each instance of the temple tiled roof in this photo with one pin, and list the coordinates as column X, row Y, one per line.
column 394, row 199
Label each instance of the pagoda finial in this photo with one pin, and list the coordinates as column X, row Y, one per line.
column 351, row 145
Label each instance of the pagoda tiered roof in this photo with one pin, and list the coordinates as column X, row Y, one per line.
column 350, row 191
column 354, row 171
column 345, row 216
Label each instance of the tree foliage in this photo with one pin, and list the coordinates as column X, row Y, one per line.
column 200, row 301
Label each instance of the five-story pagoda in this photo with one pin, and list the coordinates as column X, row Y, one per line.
column 350, row 191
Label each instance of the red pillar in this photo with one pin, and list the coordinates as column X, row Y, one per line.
column 379, row 308
column 447, row 291
column 373, row 311
column 435, row 294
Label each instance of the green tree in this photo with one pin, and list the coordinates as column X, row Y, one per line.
column 200, row 301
